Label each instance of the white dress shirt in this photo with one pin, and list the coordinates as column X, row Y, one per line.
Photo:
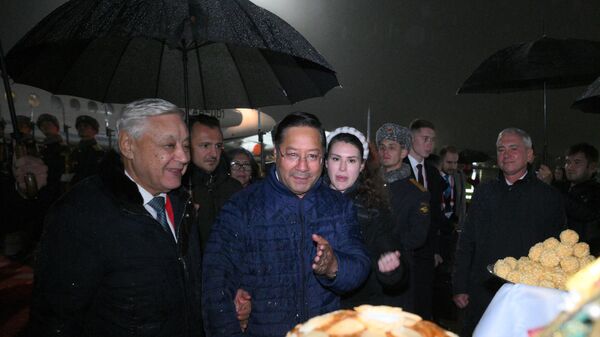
column 147, row 196
column 413, row 164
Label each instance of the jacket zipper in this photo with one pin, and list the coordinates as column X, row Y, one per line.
column 179, row 258
column 304, row 307
column 184, row 267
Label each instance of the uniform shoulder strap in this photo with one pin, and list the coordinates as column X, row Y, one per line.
column 419, row 186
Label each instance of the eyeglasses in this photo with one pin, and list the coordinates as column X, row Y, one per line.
column 294, row 157
column 237, row 166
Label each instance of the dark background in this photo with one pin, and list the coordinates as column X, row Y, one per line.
column 406, row 59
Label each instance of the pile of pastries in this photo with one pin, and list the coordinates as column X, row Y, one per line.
column 582, row 315
column 368, row 321
column 549, row 263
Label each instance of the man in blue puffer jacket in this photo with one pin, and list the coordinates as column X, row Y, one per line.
column 290, row 241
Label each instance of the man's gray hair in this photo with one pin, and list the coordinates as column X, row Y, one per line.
column 516, row 131
column 133, row 119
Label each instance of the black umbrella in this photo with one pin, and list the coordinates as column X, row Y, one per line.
column 224, row 54
column 546, row 63
column 589, row 101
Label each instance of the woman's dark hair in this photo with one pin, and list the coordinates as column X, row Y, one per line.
column 253, row 164
column 347, row 138
column 371, row 187
column 370, row 182
column 296, row 119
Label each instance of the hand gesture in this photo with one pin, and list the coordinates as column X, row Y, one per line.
column 30, row 164
column 437, row 260
column 389, row 261
column 243, row 307
column 325, row 262
column 461, row 300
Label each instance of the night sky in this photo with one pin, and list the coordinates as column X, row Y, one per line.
column 406, row 59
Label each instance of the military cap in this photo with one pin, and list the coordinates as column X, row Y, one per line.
column 47, row 118
column 394, row 132
column 24, row 120
column 91, row 121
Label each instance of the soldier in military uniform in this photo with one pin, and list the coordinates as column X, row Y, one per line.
column 409, row 201
column 52, row 149
column 86, row 156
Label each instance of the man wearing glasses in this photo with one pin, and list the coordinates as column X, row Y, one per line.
column 211, row 185
column 289, row 240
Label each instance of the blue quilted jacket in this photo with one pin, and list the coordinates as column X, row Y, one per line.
column 262, row 242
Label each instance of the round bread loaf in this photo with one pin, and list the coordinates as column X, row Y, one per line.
column 368, row 321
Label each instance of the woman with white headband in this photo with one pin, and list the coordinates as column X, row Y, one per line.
column 347, row 154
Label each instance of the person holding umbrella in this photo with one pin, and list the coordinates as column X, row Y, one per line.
column 582, row 195
column 211, row 184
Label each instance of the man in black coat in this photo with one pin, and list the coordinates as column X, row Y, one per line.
column 507, row 217
column 211, row 184
column 409, row 202
column 423, row 143
column 120, row 253
column 582, row 198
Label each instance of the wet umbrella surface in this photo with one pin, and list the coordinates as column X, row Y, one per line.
column 224, row 54
column 589, row 101
column 546, row 63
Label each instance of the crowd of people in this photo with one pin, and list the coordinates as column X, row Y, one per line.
column 170, row 236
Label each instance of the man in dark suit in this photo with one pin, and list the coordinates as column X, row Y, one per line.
column 423, row 143
column 120, row 252
column 212, row 185
column 454, row 205
column 506, row 217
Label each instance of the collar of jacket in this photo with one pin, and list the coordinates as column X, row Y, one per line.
column 52, row 139
column 126, row 192
column 281, row 188
column 530, row 176
column 403, row 172
column 590, row 184
column 207, row 179
column 87, row 143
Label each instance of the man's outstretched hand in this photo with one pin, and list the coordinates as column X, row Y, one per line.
column 325, row 262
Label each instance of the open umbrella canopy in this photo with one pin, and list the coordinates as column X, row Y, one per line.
column 197, row 53
column 545, row 63
column 549, row 62
column 589, row 101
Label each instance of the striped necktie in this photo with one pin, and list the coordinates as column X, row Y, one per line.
column 158, row 204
